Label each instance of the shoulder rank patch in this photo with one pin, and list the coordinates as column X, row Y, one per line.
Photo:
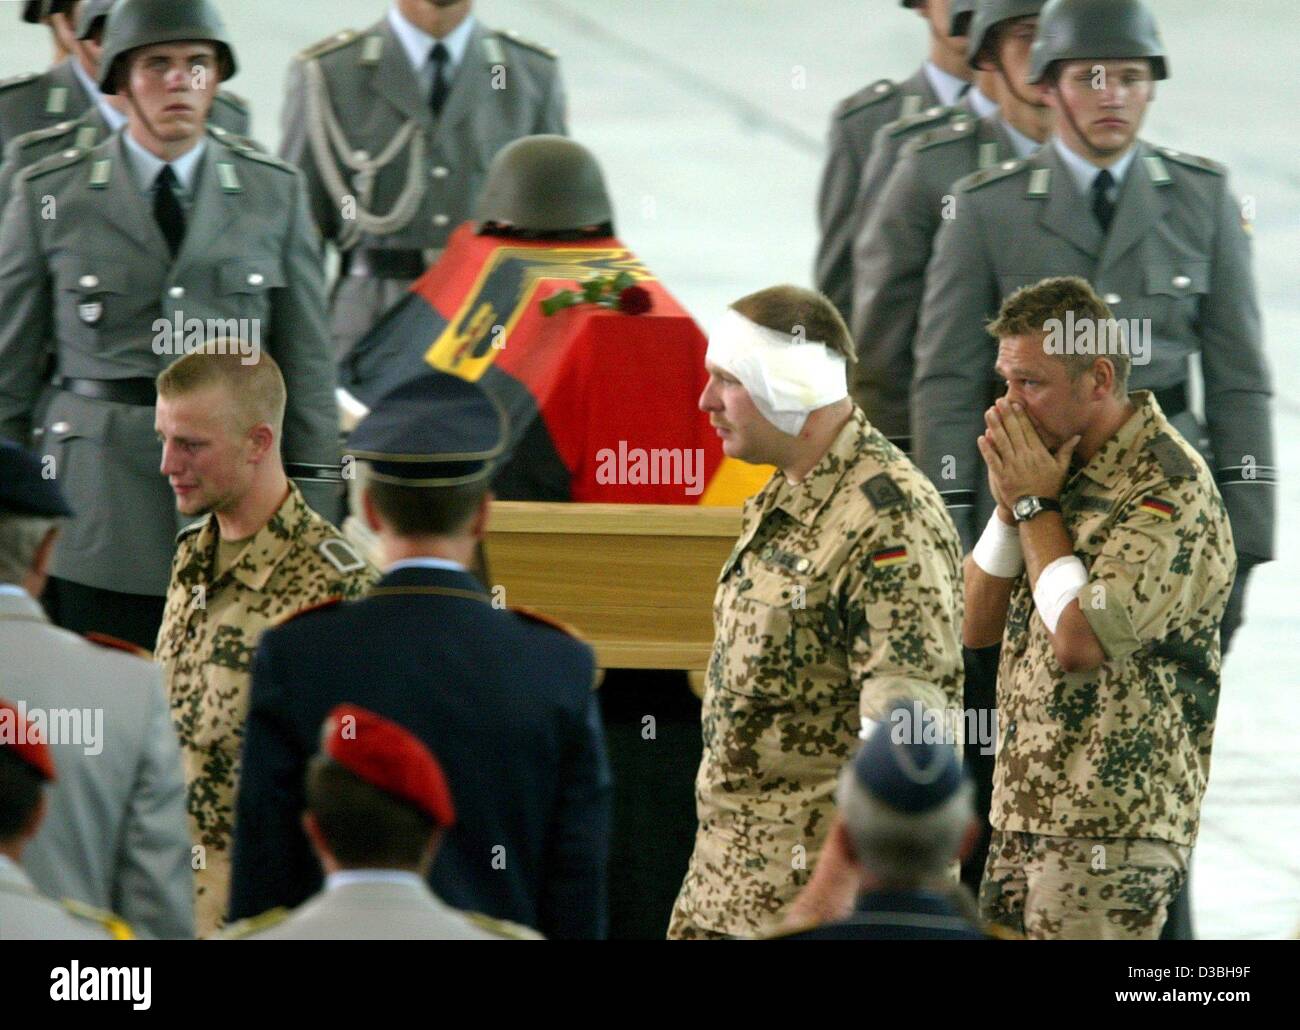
column 1204, row 164
column 253, row 924
column 117, row 644
column 329, row 44
column 18, row 80
column 889, row 557
column 958, row 128
column 329, row 602
column 512, row 36
column 339, row 553
column 118, row 928
column 1158, row 507
column 40, row 135
column 883, row 492
column 911, row 123
column 228, row 177
column 503, row 927
column 63, row 159
column 978, row 180
column 100, row 172
column 1173, row 462
column 880, row 90
column 246, row 149
column 532, row 615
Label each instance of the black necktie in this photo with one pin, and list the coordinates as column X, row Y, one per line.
column 1102, row 206
column 439, row 56
column 167, row 209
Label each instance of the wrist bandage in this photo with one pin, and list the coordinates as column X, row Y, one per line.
column 1058, row 585
column 787, row 380
column 998, row 551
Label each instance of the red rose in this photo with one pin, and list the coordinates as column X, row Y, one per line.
column 634, row 300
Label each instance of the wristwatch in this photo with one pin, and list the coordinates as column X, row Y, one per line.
column 1026, row 508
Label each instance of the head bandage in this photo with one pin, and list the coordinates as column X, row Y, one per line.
column 787, row 380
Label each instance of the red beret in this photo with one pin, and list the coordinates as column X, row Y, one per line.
column 389, row 757
column 24, row 740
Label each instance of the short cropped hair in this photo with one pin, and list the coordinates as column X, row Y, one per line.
column 256, row 386
column 363, row 825
column 1029, row 310
column 20, row 794
column 426, row 510
column 800, row 313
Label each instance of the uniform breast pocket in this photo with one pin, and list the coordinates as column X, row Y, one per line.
column 1176, row 288
column 92, row 299
column 244, row 289
column 777, row 649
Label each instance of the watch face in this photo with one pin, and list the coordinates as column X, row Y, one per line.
column 1025, row 507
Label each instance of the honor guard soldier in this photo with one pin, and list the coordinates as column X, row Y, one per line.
column 395, row 127
column 378, row 808
column 842, row 594
column 1156, row 231
column 503, row 697
column 258, row 556
column 892, row 250
column 70, row 90
column 26, row 769
column 128, row 255
column 939, row 81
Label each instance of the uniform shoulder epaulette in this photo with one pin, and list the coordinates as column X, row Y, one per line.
column 977, row 180
column 49, row 132
column 119, row 929
column 1173, row 461
column 958, row 128
column 1204, row 164
column 18, row 80
column 883, row 492
column 533, row 615
column 503, row 927
column 329, row 44
column 913, row 122
column 329, row 602
column 118, row 644
column 882, row 89
column 511, row 36
column 54, row 162
column 246, row 148
column 253, row 924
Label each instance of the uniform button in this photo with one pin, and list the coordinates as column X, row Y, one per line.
column 1112, row 298
column 59, row 427
column 439, row 172
column 960, row 126
column 440, row 219
column 176, row 292
column 70, row 153
column 1011, row 730
column 881, row 87
column 934, row 112
column 1182, row 282
column 1008, row 165
column 361, row 155
column 802, row 565
column 256, row 279
column 88, row 282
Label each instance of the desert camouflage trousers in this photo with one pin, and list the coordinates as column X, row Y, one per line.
column 1078, row 888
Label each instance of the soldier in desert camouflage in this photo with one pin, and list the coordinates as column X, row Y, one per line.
column 1106, row 579
column 842, row 594
column 258, row 556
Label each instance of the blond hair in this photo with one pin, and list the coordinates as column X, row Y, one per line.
column 256, row 387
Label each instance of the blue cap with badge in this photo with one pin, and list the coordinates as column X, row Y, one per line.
column 436, row 430
column 902, row 764
column 25, row 489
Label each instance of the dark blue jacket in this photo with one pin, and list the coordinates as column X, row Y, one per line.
column 897, row 916
column 503, row 700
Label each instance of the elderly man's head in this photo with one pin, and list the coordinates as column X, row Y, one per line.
column 906, row 807
column 31, row 507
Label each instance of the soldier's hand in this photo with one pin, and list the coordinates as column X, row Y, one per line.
column 1018, row 460
column 1004, row 505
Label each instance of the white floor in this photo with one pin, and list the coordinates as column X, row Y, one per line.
column 710, row 117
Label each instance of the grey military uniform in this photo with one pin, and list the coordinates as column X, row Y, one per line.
column 1177, row 253
column 892, row 251
column 99, row 280
column 854, row 125
column 40, row 100
column 376, row 910
column 27, row 915
column 115, row 834
column 388, row 183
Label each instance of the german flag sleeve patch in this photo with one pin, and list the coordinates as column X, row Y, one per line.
column 1158, row 507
